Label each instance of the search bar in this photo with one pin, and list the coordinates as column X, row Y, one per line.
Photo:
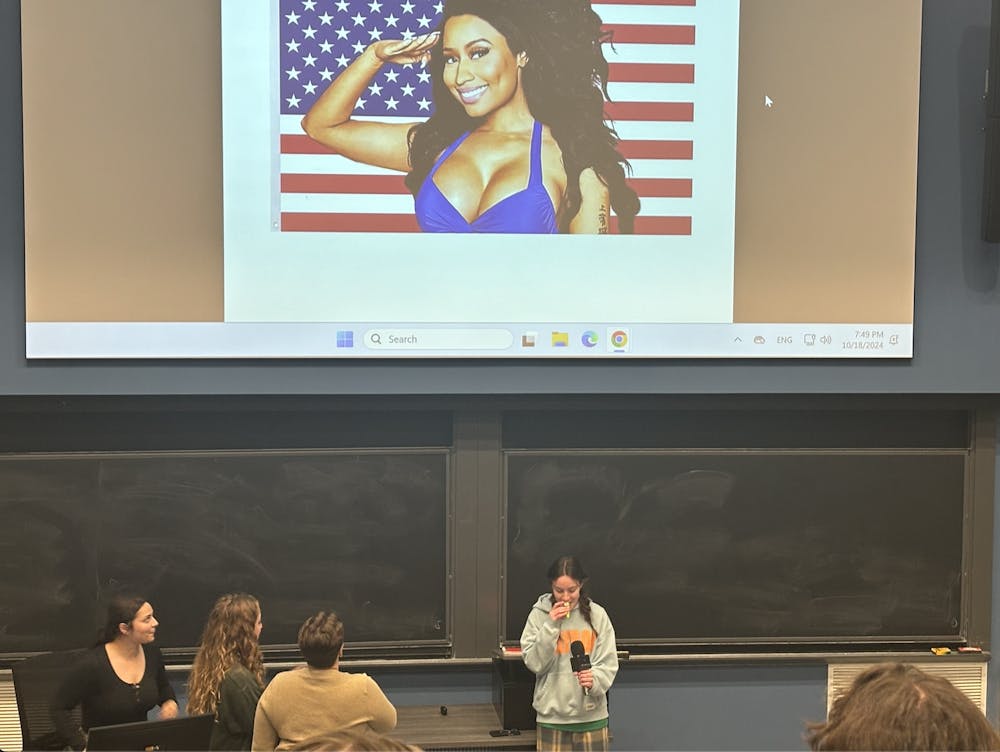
column 438, row 339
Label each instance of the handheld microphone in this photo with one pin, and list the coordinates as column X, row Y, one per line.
column 579, row 660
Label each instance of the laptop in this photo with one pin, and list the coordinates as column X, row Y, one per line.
column 173, row 735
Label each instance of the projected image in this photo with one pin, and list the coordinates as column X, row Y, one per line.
column 472, row 179
column 561, row 135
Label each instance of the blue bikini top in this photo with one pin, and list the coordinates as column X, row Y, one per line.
column 528, row 211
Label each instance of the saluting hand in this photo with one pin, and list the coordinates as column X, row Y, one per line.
column 405, row 51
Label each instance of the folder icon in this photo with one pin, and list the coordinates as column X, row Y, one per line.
column 560, row 339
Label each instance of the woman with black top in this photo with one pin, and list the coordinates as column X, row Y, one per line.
column 120, row 679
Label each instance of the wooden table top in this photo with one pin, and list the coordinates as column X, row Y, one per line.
column 464, row 727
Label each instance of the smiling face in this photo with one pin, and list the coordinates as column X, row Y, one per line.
column 480, row 70
column 142, row 628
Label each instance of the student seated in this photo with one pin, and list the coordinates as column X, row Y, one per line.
column 118, row 681
column 228, row 672
column 318, row 699
column 896, row 706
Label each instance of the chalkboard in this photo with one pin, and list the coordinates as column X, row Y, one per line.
column 359, row 533
column 745, row 547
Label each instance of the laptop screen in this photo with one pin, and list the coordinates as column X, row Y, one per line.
column 171, row 735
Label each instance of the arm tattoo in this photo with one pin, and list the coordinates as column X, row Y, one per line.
column 602, row 220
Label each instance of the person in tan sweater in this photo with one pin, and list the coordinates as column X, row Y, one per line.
column 318, row 698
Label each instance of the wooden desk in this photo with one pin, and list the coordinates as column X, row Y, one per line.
column 465, row 727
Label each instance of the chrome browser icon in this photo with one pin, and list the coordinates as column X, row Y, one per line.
column 589, row 338
column 618, row 340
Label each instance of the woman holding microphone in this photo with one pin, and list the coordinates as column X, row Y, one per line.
column 568, row 642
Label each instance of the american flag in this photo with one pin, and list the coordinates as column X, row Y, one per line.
column 651, row 78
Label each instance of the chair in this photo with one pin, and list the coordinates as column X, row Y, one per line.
column 35, row 682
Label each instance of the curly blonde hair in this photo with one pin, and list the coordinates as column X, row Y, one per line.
column 228, row 640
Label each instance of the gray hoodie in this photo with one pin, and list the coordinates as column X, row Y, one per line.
column 559, row 698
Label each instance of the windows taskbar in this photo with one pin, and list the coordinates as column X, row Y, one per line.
column 128, row 340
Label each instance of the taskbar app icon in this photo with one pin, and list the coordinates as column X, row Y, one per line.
column 589, row 338
column 619, row 340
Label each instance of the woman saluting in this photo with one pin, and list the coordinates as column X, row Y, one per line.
column 517, row 142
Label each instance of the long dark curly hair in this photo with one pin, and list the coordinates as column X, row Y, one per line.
column 565, row 84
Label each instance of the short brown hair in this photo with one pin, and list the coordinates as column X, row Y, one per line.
column 896, row 706
column 321, row 638
column 354, row 740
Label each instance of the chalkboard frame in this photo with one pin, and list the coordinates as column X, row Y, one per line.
column 476, row 431
column 439, row 459
column 970, row 567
